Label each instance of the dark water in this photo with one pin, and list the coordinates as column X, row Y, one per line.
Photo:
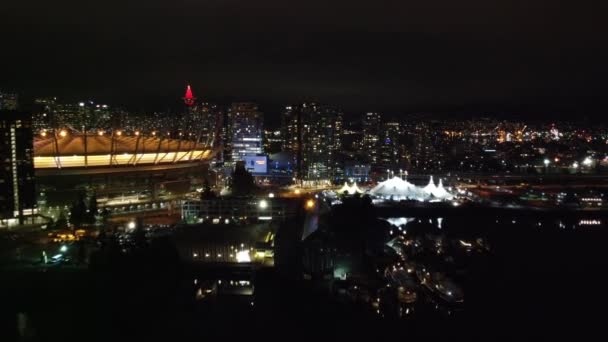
column 535, row 284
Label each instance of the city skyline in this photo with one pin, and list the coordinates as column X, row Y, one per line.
column 273, row 112
column 303, row 170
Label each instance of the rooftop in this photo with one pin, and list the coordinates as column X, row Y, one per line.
column 74, row 144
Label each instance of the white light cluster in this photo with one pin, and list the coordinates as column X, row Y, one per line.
column 589, row 222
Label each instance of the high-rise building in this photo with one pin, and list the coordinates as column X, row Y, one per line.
column 226, row 135
column 43, row 115
column 422, row 154
column 67, row 114
column 200, row 120
column 209, row 122
column 246, row 128
column 312, row 132
column 290, row 120
column 351, row 138
column 99, row 116
column 121, row 119
column 83, row 115
column 188, row 120
column 371, row 136
column 8, row 101
column 389, row 145
column 273, row 141
column 17, row 191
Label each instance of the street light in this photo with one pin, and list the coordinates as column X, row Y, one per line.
column 547, row 162
column 63, row 249
column 310, row 204
column 587, row 161
column 263, row 204
column 63, row 133
column 131, row 225
column 243, row 256
column 271, row 195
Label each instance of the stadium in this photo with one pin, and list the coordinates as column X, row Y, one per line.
column 133, row 167
column 53, row 154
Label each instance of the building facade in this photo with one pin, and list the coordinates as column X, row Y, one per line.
column 372, row 125
column 17, row 190
column 8, row 101
column 85, row 115
column 389, row 145
column 312, row 132
column 204, row 120
column 245, row 130
column 229, row 210
column 43, row 114
column 356, row 172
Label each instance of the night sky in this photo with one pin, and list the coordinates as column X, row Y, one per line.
column 392, row 56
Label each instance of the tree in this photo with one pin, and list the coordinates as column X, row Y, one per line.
column 62, row 222
column 78, row 211
column 242, row 181
column 207, row 192
column 139, row 235
column 92, row 209
column 82, row 252
column 531, row 170
column 105, row 215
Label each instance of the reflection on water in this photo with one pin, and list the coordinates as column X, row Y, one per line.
column 399, row 221
column 438, row 260
column 207, row 289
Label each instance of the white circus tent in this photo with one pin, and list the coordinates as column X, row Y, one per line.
column 350, row 190
column 441, row 193
column 399, row 189
column 431, row 187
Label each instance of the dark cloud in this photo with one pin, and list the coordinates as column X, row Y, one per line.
column 385, row 55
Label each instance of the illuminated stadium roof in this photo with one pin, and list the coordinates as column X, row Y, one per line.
column 74, row 150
